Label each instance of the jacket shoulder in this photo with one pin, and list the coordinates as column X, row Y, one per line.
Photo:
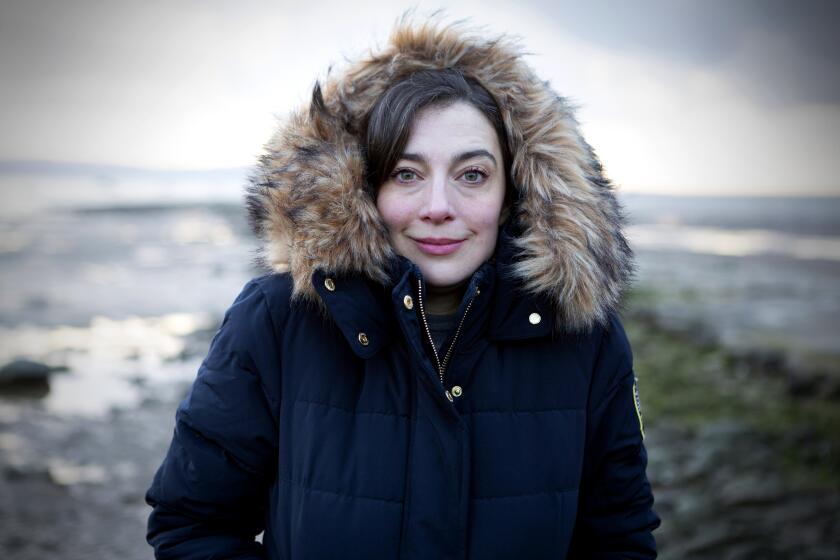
column 604, row 343
column 611, row 354
column 250, row 335
column 614, row 341
column 277, row 290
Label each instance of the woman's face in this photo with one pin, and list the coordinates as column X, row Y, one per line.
column 443, row 201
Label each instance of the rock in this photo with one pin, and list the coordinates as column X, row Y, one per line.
column 765, row 361
column 17, row 472
column 724, row 433
column 711, row 541
column 26, row 378
column 804, row 384
column 753, row 489
column 832, row 389
column 747, row 551
column 27, row 369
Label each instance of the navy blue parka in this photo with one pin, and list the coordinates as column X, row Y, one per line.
column 318, row 416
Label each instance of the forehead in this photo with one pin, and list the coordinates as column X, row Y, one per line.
column 457, row 127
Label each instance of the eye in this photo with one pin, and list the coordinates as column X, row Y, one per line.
column 404, row 175
column 474, row 175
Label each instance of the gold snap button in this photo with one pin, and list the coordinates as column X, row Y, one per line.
column 449, row 396
column 534, row 318
column 329, row 284
column 408, row 302
column 457, row 391
column 363, row 339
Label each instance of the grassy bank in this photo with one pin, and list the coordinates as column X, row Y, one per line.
column 688, row 380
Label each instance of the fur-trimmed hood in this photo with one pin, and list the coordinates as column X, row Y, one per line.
column 311, row 207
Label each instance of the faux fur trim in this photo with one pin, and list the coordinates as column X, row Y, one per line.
column 309, row 203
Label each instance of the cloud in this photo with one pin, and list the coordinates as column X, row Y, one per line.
column 672, row 94
column 777, row 51
column 660, row 125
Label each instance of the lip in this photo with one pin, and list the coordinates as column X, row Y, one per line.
column 438, row 245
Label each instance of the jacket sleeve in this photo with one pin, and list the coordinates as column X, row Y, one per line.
column 615, row 508
column 210, row 494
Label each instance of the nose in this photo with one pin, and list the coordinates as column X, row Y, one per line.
column 437, row 207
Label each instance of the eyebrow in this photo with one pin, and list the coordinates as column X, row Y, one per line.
column 457, row 159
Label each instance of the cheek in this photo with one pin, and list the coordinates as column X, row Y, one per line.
column 489, row 221
column 396, row 210
column 483, row 216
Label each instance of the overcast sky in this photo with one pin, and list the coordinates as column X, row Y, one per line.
column 676, row 96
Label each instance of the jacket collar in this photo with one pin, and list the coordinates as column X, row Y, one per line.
column 517, row 313
column 355, row 304
column 502, row 309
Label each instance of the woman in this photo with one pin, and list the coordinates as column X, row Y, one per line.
column 434, row 369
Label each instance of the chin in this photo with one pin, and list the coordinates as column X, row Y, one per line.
column 442, row 278
column 443, row 283
column 444, row 272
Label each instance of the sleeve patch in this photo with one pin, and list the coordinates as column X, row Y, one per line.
column 637, row 403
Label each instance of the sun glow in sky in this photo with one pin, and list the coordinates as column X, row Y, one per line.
column 676, row 97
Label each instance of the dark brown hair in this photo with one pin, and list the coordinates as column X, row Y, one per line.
column 389, row 121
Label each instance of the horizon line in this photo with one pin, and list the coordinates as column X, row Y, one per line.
column 53, row 167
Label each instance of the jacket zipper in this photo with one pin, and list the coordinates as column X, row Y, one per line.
column 441, row 366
